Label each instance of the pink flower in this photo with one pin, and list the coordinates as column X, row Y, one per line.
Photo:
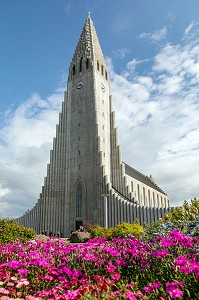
column 113, row 252
column 10, row 283
column 152, row 287
column 14, row 264
column 22, row 271
column 121, row 262
column 68, row 271
column 115, row 276
column 129, row 295
column 160, row 253
column 4, row 291
column 141, row 295
column 13, row 278
column 90, row 257
column 175, row 293
column 174, row 284
column 19, row 285
column 181, row 260
column 110, row 267
column 165, row 242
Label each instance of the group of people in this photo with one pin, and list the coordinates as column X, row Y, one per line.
column 59, row 234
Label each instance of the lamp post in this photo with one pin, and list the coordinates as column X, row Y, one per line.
column 105, row 196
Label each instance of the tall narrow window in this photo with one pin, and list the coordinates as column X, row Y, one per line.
column 106, row 75
column 144, row 196
column 80, row 64
column 138, row 192
column 149, row 197
column 98, row 65
column 87, row 63
column 102, row 70
column 73, row 69
column 79, row 201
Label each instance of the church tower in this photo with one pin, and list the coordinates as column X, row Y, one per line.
column 86, row 178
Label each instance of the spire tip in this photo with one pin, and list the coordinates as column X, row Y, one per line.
column 89, row 14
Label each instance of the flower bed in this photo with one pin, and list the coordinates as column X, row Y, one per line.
column 122, row 268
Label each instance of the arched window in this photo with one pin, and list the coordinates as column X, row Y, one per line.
column 79, row 201
column 87, row 63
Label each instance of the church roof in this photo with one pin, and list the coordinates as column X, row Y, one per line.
column 143, row 178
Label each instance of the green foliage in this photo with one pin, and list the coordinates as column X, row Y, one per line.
column 11, row 230
column 121, row 230
column 99, row 231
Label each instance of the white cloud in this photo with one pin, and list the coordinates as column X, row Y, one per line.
column 188, row 29
column 155, row 36
column 157, row 117
column 120, row 53
column 26, row 138
column 3, row 191
column 191, row 33
column 68, row 9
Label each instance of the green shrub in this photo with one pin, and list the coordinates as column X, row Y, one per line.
column 121, row 230
column 11, row 230
column 99, row 231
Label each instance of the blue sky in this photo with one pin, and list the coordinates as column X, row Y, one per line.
column 151, row 48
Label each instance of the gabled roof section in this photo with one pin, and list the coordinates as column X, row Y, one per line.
column 88, row 45
column 141, row 177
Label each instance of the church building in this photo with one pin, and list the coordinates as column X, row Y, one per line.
column 87, row 180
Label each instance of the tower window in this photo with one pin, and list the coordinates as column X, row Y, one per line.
column 79, row 167
column 80, row 65
column 79, row 124
column 73, row 69
column 102, row 70
column 80, row 112
column 79, row 139
column 98, row 65
column 79, row 201
column 87, row 63
column 106, row 75
column 79, row 152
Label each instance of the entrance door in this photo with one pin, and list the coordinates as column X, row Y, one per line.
column 78, row 224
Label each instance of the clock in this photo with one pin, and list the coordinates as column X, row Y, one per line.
column 103, row 88
column 79, row 85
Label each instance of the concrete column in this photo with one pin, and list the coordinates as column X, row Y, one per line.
column 105, row 200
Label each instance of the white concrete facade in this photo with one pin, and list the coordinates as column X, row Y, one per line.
column 86, row 178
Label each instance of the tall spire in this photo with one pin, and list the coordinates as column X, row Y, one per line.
column 88, row 46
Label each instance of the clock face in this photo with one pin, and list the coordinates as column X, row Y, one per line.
column 103, row 88
column 79, row 85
